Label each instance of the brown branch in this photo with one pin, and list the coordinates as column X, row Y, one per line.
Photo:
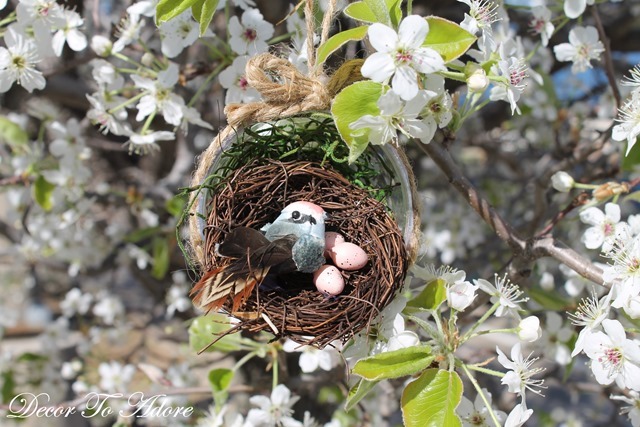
column 608, row 61
column 529, row 249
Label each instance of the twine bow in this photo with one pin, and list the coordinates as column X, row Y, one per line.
column 285, row 92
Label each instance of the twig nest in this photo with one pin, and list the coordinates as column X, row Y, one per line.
column 364, row 239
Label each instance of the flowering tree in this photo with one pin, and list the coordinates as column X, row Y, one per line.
column 520, row 122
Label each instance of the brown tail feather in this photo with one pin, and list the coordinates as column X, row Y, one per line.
column 216, row 286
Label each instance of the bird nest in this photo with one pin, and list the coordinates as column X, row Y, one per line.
column 248, row 175
column 253, row 195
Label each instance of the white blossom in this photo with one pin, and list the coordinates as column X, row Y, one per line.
column 159, row 96
column 145, row 143
column 437, row 113
column 76, row 302
column 613, row 356
column 476, row 413
column 541, row 23
column 109, row 308
column 605, row 226
column 395, row 115
column 520, row 371
column 17, row 63
column 584, row 45
column 114, row 377
column 513, row 73
column 633, row 410
column 628, row 127
column 311, row 359
column 482, row 14
column 128, row 31
column 178, row 34
column 400, row 56
column 590, row 314
column 249, row 35
column 505, row 293
column 274, row 411
column 69, row 33
column 634, row 80
column 233, row 79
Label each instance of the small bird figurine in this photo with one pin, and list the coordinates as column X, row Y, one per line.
column 293, row 242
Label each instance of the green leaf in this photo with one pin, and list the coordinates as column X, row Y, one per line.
column 358, row 392
column 431, row 296
column 630, row 161
column 142, row 234
column 32, row 357
column 395, row 12
column 160, row 254
column 175, row 205
column 364, row 11
column 12, row 134
column 360, row 12
column 166, row 10
column 380, row 11
column 220, row 380
column 7, row 391
column 349, row 105
column 447, row 38
column 42, row 191
column 203, row 11
column 334, row 42
column 431, row 400
column 394, row 364
column 549, row 299
column 205, row 329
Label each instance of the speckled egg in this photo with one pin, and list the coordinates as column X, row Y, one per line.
column 328, row 279
column 349, row 256
column 331, row 239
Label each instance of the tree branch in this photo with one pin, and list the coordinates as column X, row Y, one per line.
column 529, row 249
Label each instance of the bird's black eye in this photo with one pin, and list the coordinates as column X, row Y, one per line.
column 295, row 214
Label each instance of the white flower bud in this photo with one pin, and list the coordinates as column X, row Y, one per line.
column 478, row 81
column 632, row 307
column 562, row 181
column 460, row 295
column 147, row 59
column 529, row 329
column 101, row 45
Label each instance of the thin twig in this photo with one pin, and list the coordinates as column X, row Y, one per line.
column 608, row 61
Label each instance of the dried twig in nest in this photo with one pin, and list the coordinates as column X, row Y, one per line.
column 254, row 195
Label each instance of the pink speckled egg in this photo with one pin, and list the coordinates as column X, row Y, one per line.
column 331, row 239
column 328, row 279
column 349, row 256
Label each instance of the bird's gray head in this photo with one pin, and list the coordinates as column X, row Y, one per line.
column 304, row 217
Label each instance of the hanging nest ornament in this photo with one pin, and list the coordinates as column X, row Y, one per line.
column 255, row 168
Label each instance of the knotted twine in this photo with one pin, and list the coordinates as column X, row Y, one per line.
column 285, row 92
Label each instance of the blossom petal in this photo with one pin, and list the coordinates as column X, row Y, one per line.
column 427, row 60
column 412, row 32
column 382, row 38
column 405, row 82
column 378, row 67
column 574, row 8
